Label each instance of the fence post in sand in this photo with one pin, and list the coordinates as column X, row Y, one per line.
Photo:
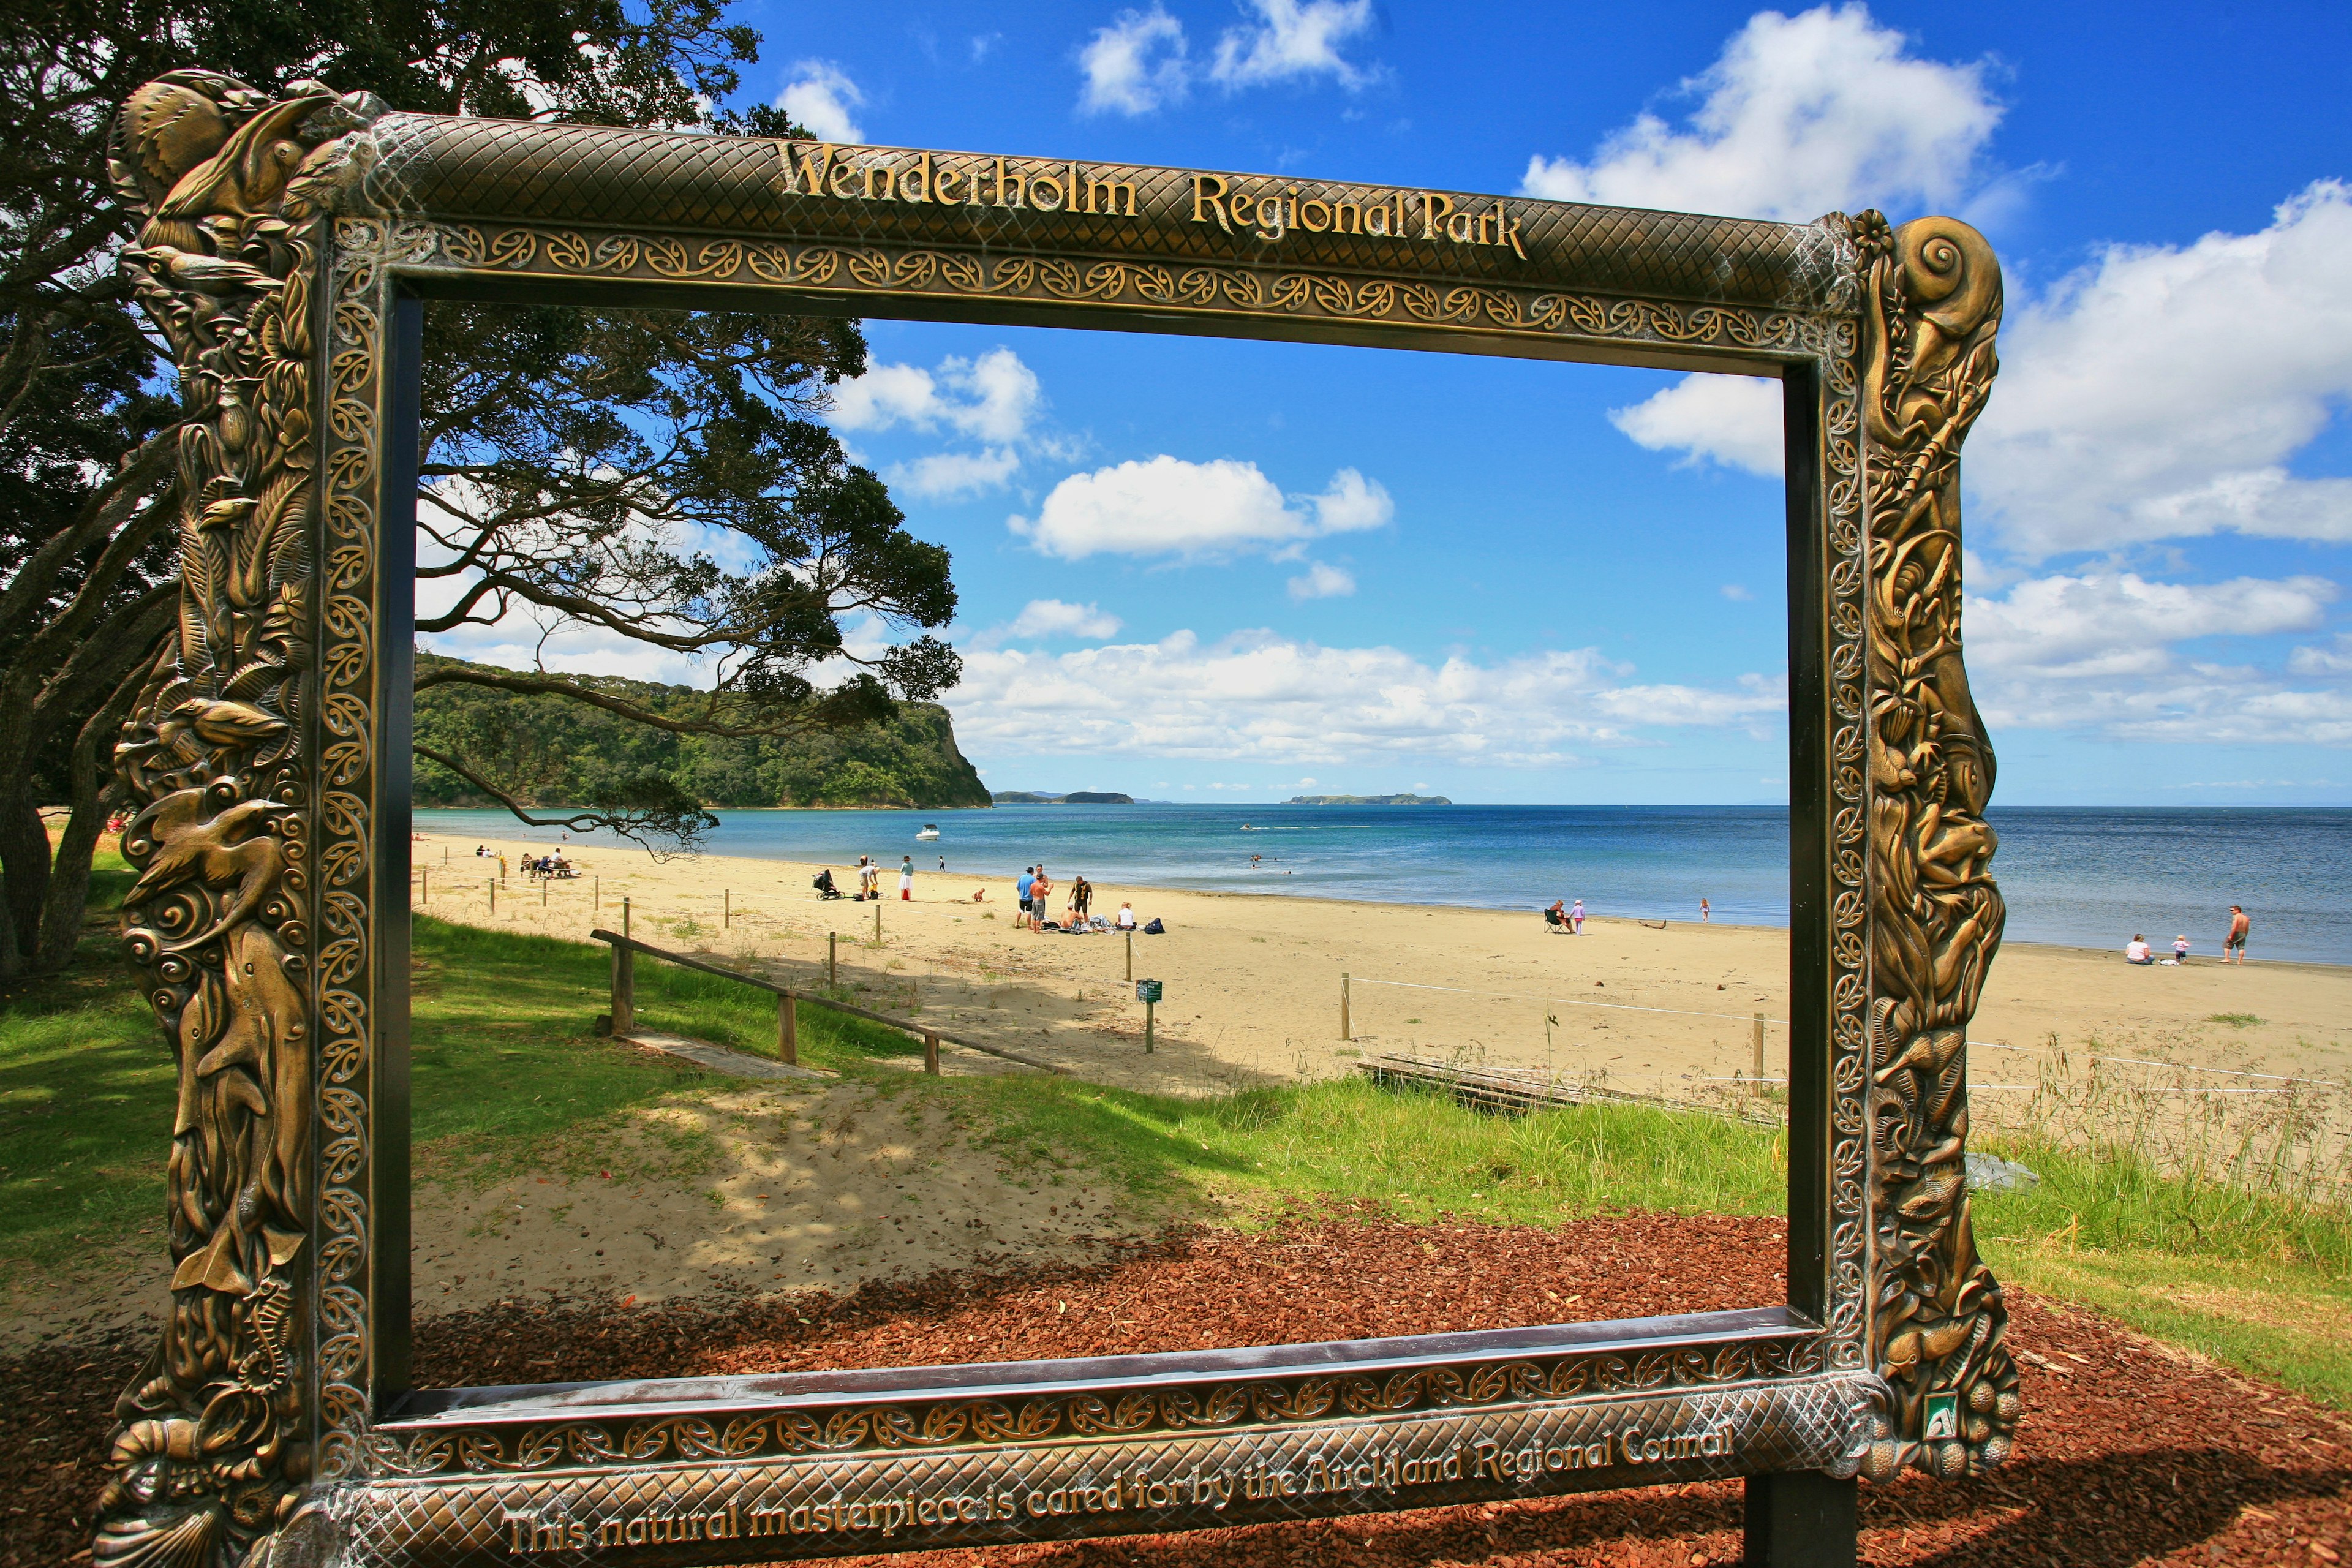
column 1130, row 955
column 425, row 887
column 833, row 961
column 543, row 890
column 878, row 923
column 624, row 978
column 931, row 1053
column 494, row 895
column 1758, row 1088
column 788, row 1029
column 1147, row 1028
column 727, row 907
column 1346, row 1031
column 596, row 898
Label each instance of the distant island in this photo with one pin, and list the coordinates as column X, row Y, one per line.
column 1076, row 797
column 1363, row 800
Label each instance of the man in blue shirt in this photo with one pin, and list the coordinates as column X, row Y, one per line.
column 1028, row 880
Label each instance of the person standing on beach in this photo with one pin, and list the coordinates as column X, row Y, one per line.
column 1576, row 917
column 2241, row 926
column 1020, row 889
column 906, row 879
column 1705, row 911
column 1041, row 898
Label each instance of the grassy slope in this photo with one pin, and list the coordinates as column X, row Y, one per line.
column 506, row 1073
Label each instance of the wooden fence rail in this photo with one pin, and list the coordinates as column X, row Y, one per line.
column 627, row 948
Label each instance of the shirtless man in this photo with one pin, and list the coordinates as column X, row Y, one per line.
column 2241, row 925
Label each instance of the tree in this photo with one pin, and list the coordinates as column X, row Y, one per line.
column 704, row 422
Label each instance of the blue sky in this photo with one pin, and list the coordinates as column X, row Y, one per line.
column 1201, row 570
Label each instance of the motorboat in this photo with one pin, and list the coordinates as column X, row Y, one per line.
column 930, row 830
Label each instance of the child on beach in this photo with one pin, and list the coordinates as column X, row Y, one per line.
column 2180, row 948
column 1576, row 917
column 906, row 879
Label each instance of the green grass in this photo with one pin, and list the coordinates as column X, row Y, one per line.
column 507, row 1074
column 2235, row 1020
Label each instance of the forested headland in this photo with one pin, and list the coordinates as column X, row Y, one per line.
column 564, row 752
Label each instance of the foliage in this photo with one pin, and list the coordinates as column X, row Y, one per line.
column 598, row 466
column 561, row 753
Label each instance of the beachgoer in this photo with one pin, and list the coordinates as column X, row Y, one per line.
column 1126, row 917
column 2180, row 948
column 2135, row 951
column 1041, row 898
column 906, row 879
column 943, row 862
column 1576, row 917
column 2241, row 926
column 1556, row 917
column 1028, row 880
column 1705, row 911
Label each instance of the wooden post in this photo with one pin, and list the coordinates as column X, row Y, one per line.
column 625, row 988
column 1758, row 1075
column 1346, row 1031
column 425, row 887
column 596, row 898
column 878, row 923
column 727, row 907
column 788, row 1029
column 1147, row 1028
column 543, row 890
column 494, row 895
column 1130, row 955
column 625, row 914
column 833, row 961
column 931, row 1053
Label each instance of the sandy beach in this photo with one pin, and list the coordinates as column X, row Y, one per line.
column 1253, row 983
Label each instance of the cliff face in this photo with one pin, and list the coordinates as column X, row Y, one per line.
column 564, row 752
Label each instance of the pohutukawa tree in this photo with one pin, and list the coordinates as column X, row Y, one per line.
column 657, row 476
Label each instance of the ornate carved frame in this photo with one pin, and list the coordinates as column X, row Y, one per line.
column 289, row 247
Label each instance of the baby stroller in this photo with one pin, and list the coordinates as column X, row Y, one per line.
column 823, row 883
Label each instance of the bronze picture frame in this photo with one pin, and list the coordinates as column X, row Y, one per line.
column 287, row 250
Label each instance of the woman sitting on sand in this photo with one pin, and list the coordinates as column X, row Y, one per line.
column 1126, row 917
column 2135, row 951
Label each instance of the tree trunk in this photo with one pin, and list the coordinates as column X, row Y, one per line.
column 94, row 789
column 23, row 882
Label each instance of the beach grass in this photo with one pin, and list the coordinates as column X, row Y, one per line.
column 507, row 1074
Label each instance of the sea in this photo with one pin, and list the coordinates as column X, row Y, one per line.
column 2077, row 877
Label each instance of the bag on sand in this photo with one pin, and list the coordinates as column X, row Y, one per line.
column 1155, row 928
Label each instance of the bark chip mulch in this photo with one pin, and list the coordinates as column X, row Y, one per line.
column 2129, row 1453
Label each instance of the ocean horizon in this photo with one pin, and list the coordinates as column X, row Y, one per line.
column 2077, row 877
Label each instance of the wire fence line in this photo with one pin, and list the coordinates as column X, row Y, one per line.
column 1569, row 1001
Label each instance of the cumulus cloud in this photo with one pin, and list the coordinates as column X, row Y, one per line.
column 1057, row 619
column 1293, row 40
column 1166, row 506
column 950, row 476
column 1798, row 116
column 1134, row 65
column 2096, row 653
column 1738, row 592
column 2161, row 391
column 820, row 96
column 1259, row 697
column 994, row 399
column 1734, row 420
column 1141, row 61
column 1322, row 582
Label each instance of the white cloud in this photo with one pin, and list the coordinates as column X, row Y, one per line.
column 1733, row 419
column 1055, row 617
column 821, row 97
column 1134, row 65
column 1322, row 582
column 2095, row 654
column 1293, row 38
column 1258, row 697
column 994, row 398
column 2161, row 391
column 2336, row 661
column 1738, row 592
column 1166, row 506
column 1800, row 116
column 946, row 476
